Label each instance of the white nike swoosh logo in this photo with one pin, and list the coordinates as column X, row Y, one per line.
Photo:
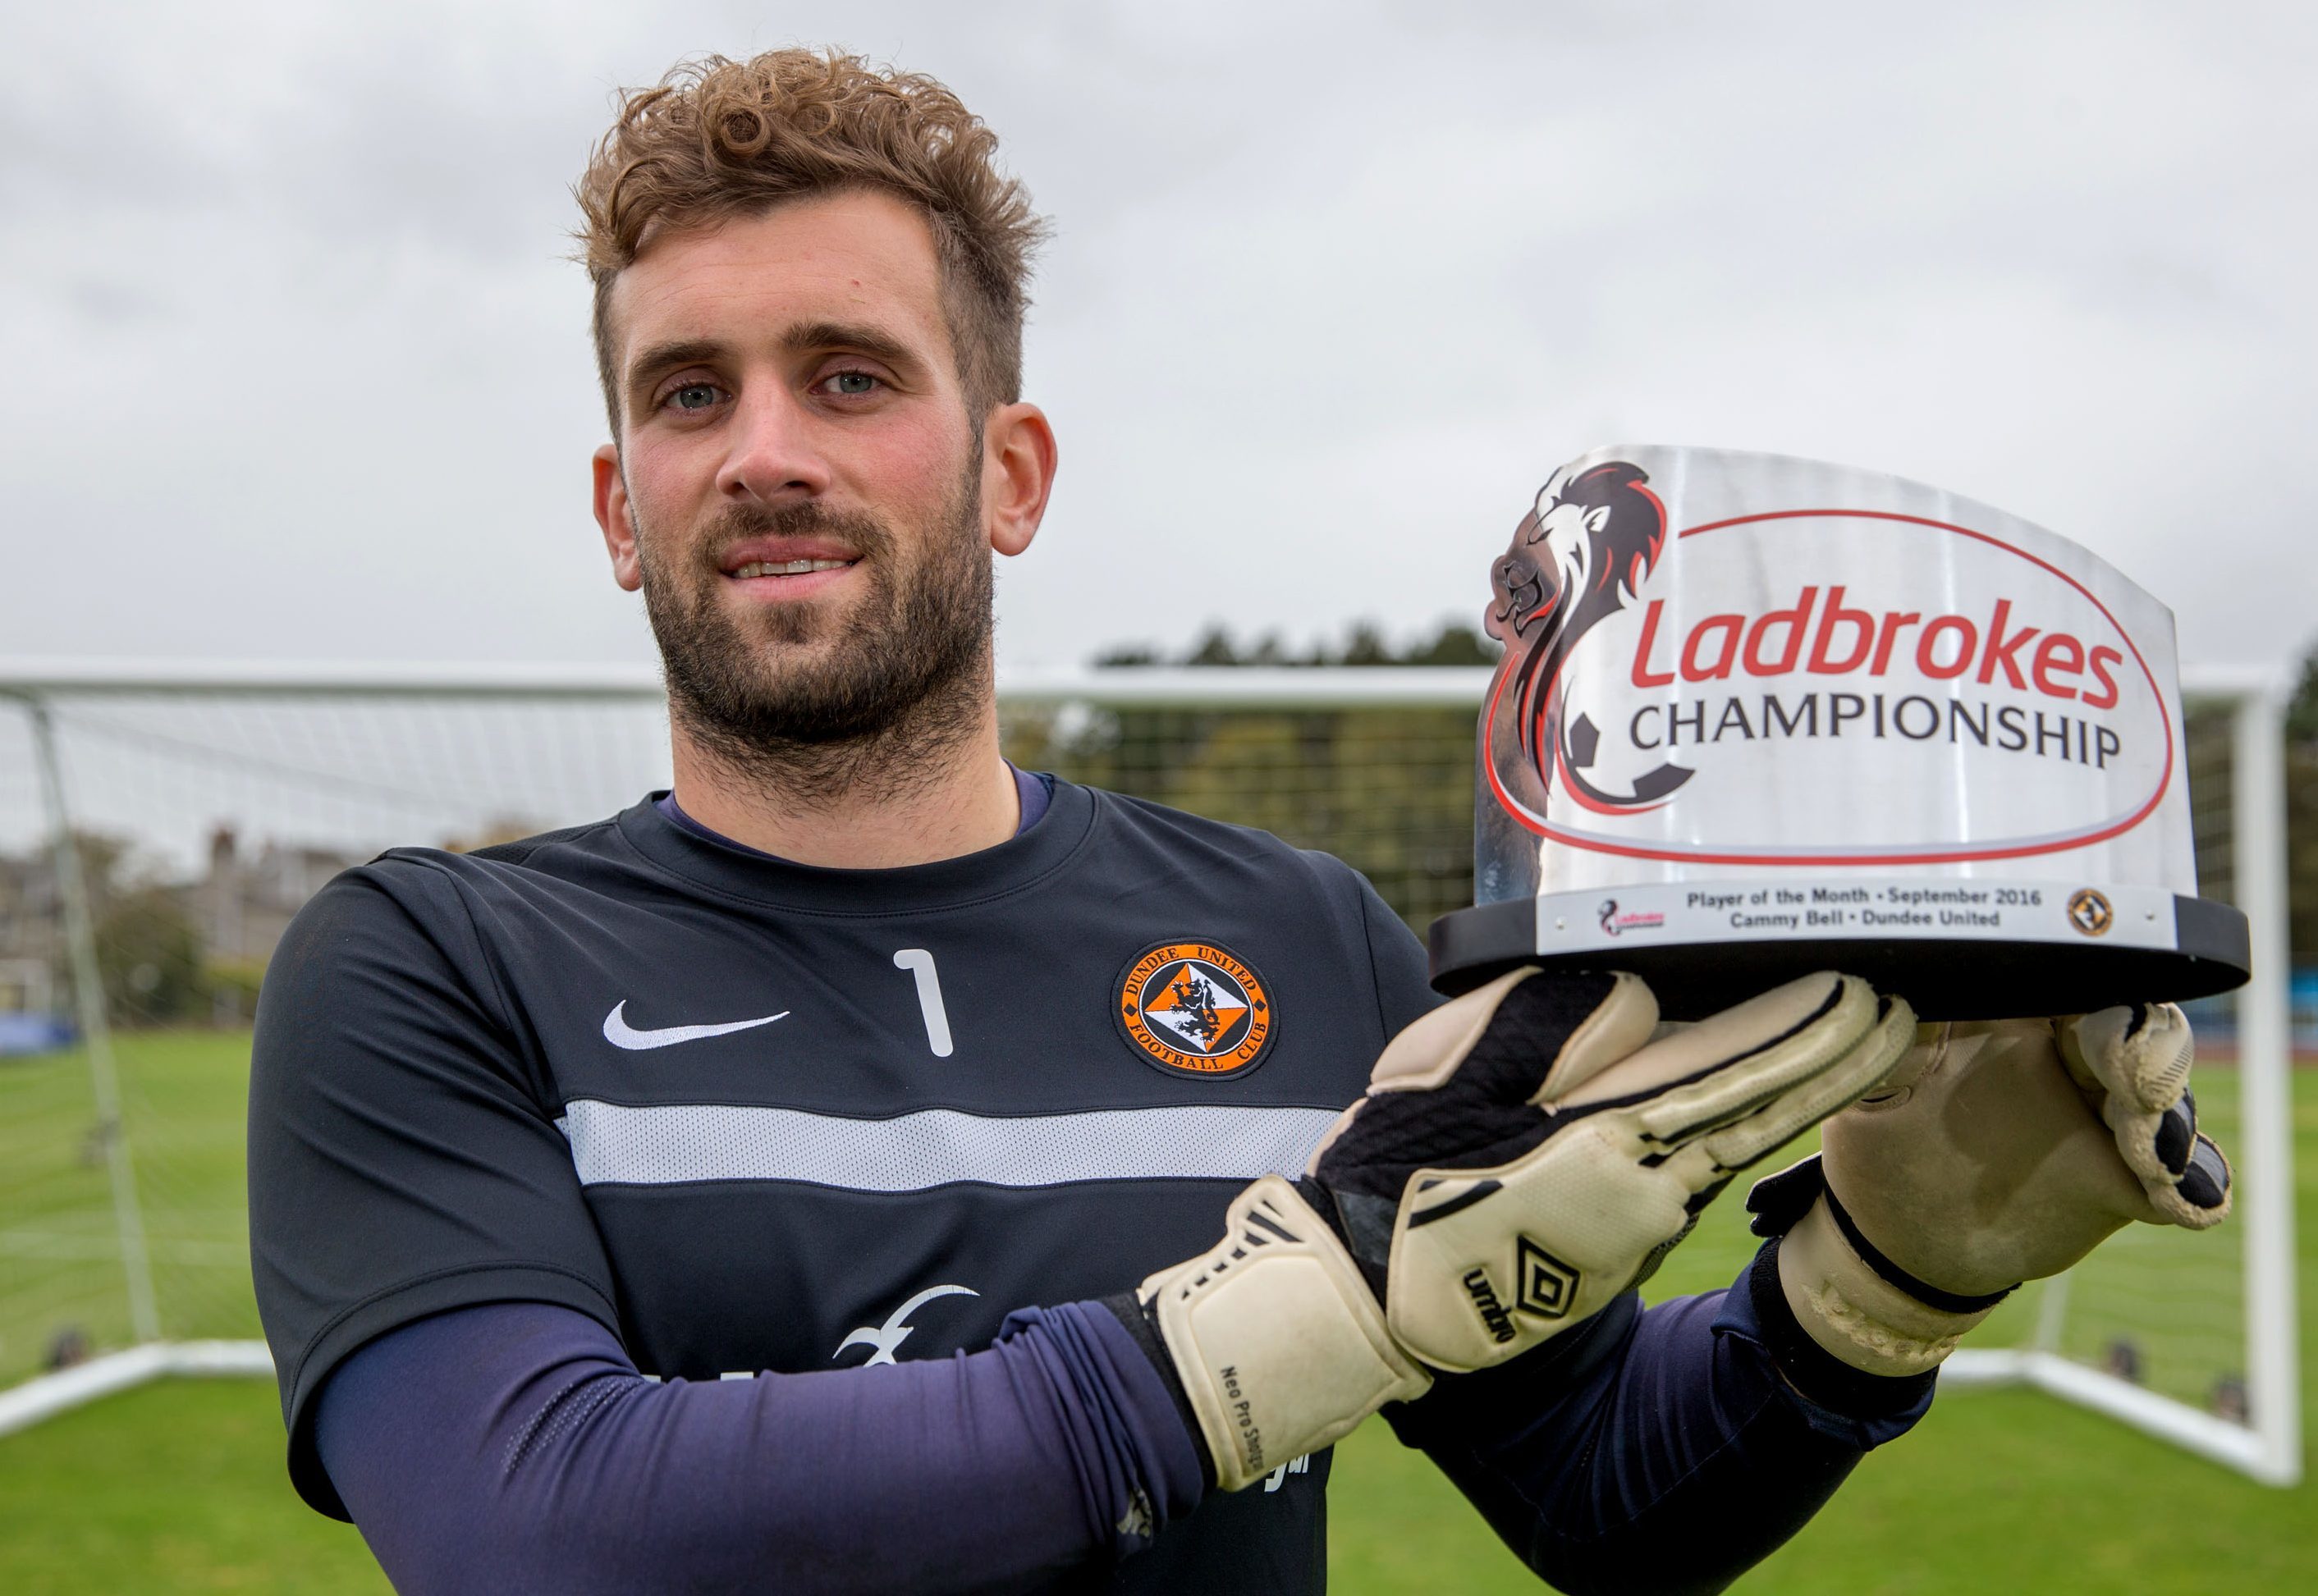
column 619, row 1033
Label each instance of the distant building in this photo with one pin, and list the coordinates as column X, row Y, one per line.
column 34, row 999
column 31, row 925
column 236, row 912
column 246, row 901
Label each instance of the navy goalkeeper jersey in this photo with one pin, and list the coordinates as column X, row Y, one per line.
column 756, row 1116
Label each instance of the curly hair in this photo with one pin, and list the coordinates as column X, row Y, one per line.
column 716, row 139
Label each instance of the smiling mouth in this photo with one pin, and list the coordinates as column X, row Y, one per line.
column 789, row 568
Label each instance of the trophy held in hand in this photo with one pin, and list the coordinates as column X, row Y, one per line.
column 1758, row 716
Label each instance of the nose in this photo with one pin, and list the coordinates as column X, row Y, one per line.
column 775, row 455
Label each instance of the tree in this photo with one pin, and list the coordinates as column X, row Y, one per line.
column 1365, row 645
column 1213, row 648
column 2302, row 709
column 1453, row 642
column 1126, row 656
column 2302, row 814
column 149, row 957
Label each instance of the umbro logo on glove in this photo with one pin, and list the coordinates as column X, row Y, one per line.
column 1529, row 1146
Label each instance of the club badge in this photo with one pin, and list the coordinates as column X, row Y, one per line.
column 1194, row 1008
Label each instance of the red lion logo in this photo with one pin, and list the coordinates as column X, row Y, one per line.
column 1578, row 557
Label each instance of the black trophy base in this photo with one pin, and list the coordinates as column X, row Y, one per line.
column 1942, row 978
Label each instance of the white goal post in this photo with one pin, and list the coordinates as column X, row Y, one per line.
column 108, row 749
column 2268, row 1446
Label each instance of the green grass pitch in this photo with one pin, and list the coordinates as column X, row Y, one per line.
column 178, row 1486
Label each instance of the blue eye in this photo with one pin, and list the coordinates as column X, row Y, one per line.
column 854, row 384
column 693, row 396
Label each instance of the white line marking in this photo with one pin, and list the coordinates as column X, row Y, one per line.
column 673, row 1143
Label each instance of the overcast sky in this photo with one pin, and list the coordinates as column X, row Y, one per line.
column 294, row 365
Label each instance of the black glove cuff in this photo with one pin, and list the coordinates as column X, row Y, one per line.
column 1923, row 1291
column 1811, row 1368
column 1779, row 1203
column 1143, row 1324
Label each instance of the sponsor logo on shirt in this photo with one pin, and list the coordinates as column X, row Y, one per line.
column 1194, row 1008
column 884, row 1339
column 1278, row 1477
column 619, row 1033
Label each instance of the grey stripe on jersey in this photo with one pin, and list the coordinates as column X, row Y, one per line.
column 661, row 1145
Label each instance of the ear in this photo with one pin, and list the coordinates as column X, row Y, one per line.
column 1598, row 518
column 1017, row 473
column 611, row 515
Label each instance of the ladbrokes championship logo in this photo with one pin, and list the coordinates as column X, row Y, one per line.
column 1711, row 677
column 1193, row 1007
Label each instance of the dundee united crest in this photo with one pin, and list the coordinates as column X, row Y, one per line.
column 1194, row 1008
column 2089, row 911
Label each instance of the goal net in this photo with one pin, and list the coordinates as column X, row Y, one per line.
column 2160, row 1327
column 158, row 830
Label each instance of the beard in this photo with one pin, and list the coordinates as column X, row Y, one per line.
column 817, row 704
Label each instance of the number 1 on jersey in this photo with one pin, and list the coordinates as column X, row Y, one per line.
column 920, row 963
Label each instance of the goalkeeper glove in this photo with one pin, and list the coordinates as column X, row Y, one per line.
column 1996, row 1152
column 1524, row 1155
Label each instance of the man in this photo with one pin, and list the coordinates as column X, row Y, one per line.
column 634, row 1206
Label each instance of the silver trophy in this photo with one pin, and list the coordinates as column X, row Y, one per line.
column 1757, row 716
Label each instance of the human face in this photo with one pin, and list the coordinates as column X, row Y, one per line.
column 798, row 489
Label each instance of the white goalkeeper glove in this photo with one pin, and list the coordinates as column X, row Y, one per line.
column 1524, row 1155
column 1996, row 1152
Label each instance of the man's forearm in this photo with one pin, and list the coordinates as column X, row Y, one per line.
column 1667, row 1450
column 513, row 1447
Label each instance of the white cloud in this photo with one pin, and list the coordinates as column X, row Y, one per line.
column 296, row 368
